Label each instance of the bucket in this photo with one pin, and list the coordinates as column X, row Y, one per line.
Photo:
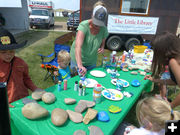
column 139, row 48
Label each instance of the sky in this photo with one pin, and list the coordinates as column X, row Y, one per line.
column 67, row 4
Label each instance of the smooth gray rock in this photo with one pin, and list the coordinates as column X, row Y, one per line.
column 134, row 73
column 59, row 116
column 125, row 69
column 142, row 73
column 69, row 101
column 88, row 103
column 79, row 132
column 37, row 95
column 75, row 116
column 82, row 106
column 48, row 98
column 95, row 130
column 147, row 70
column 34, row 111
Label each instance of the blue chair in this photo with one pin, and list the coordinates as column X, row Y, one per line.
column 52, row 65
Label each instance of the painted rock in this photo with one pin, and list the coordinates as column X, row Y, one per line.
column 69, row 101
column 80, row 107
column 114, row 109
column 94, row 130
column 59, row 116
column 37, row 95
column 48, row 98
column 88, row 103
column 135, row 83
column 34, row 111
column 75, row 116
column 79, row 132
column 90, row 115
column 103, row 116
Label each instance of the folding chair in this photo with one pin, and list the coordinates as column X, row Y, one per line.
column 52, row 65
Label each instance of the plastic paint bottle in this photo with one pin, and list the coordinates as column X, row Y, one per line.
column 65, row 84
column 104, row 62
column 80, row 90
column 123, row 58
column 97, row 93
column 113, row 56
column 84, row 90
column 59, row 85
column 76, row 86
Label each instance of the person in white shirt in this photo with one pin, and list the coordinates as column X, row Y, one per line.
column 152, row 114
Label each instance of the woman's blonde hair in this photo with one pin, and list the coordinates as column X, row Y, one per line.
column 156, row 111
column 99, row 3
column 64, row 56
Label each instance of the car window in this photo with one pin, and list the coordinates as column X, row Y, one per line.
column 75, row 15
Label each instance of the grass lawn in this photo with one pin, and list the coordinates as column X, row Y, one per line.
column 60, row 19
column 42, row 42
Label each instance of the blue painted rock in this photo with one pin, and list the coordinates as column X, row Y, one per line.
column 135, row 83
column 103, row 116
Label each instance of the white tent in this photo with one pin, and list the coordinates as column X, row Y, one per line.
column 16, row 15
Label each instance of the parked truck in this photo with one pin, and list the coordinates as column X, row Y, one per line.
column 73, row 20
column 131, row 22
column 42, row 13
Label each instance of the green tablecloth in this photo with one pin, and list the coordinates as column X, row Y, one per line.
column 21, row 125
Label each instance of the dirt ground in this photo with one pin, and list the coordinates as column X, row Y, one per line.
column 59, row 26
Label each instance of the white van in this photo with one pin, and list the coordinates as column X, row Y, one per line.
column 42, row 13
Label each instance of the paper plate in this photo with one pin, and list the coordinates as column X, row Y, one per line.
column 97, row 73
column 126, row 84
column 90, row 83
column 112, row 94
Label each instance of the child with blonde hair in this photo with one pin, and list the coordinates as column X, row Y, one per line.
column 63, row 68
column 152, row 113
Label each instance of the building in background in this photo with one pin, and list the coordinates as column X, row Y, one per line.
column 15, row 13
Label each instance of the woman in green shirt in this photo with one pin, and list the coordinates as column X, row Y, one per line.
column 90, row 40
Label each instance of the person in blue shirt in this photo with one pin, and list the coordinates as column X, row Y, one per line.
column 63, row 68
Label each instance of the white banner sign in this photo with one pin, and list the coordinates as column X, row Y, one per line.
column 132, row 24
